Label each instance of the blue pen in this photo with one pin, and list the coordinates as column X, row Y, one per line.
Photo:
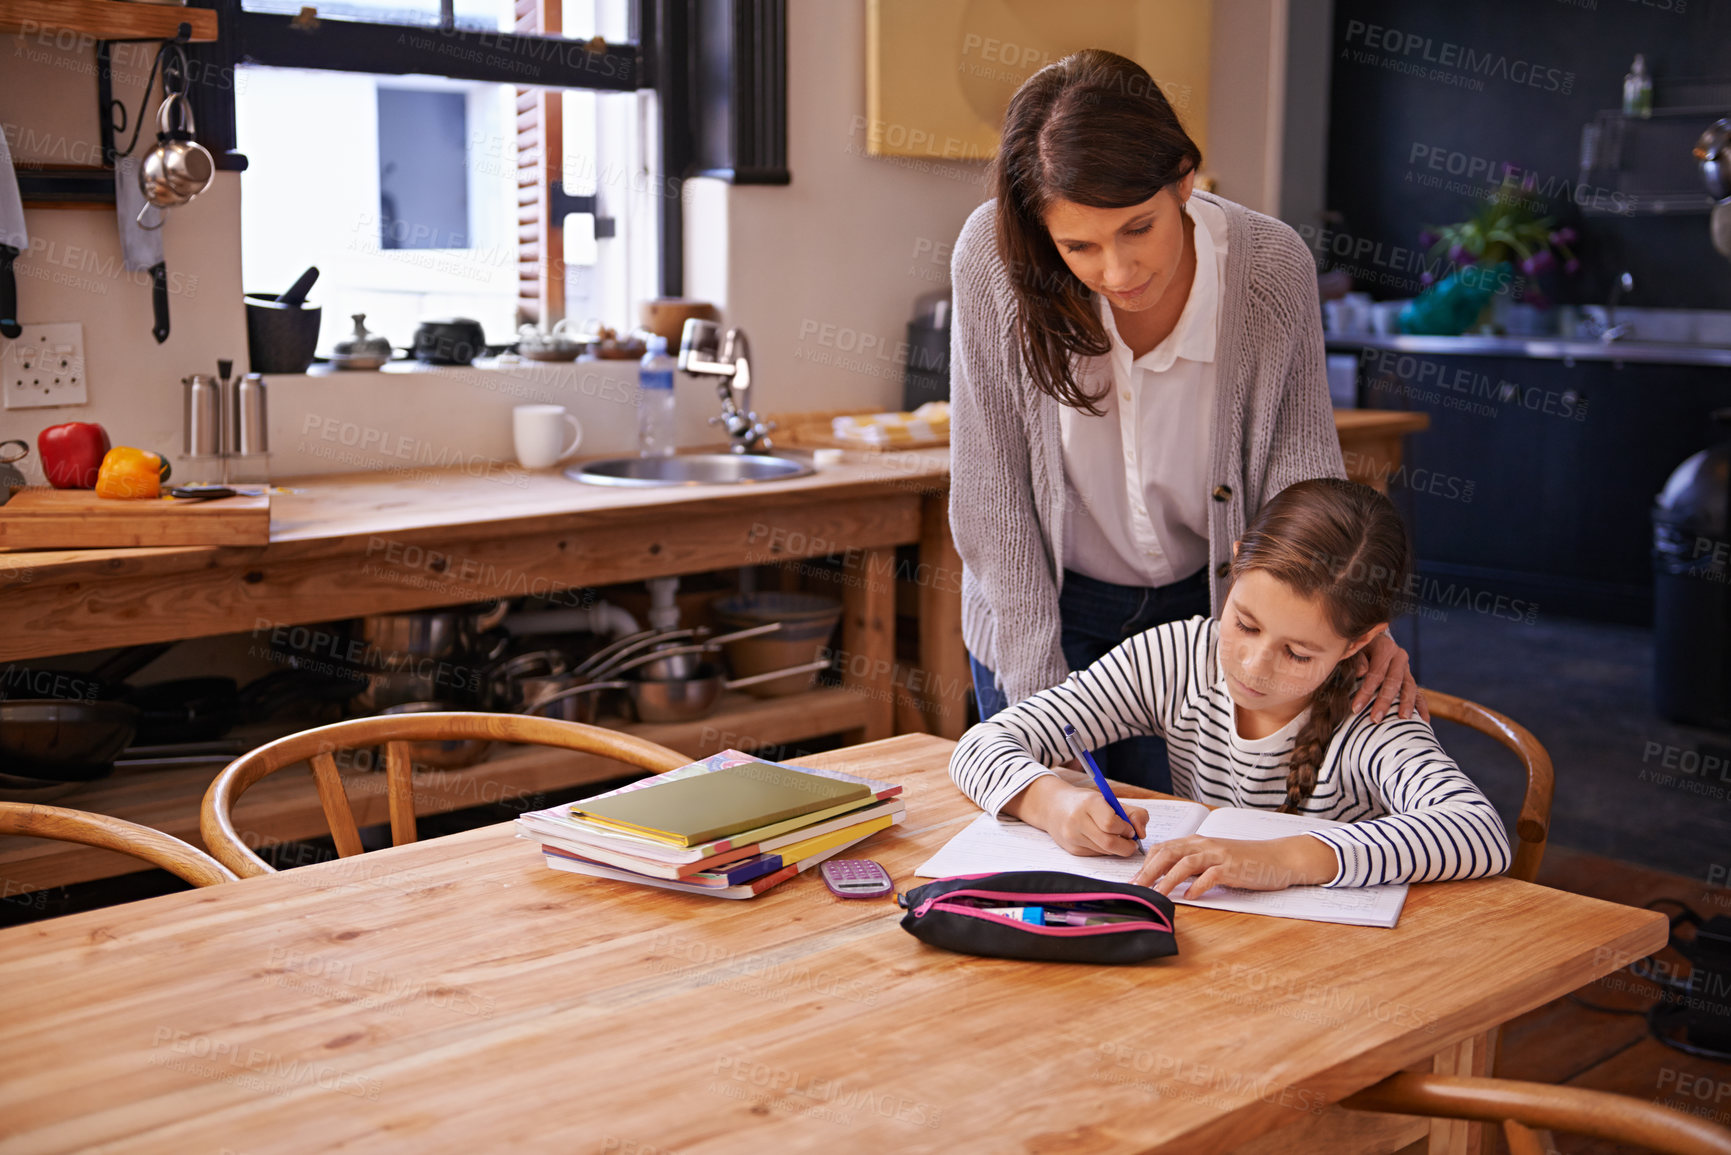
column 1087, row 760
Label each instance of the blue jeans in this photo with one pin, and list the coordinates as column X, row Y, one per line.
column 1093, row 617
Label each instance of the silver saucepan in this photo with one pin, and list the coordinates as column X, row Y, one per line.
column 402, row 640
column 436, row 753
column 670, row 663
column 509, row 683
column 673, row 664
column 568, row 693
column 666, row 699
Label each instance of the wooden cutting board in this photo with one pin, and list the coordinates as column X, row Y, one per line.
column 814, row 430
column 42, row 518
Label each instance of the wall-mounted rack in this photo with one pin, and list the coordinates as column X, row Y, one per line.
column 109, row 20
column 99, row 24
column 1641, row 166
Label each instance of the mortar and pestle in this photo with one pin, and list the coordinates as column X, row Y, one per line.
column 281, row 332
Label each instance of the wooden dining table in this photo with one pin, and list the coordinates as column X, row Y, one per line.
column 458, row 995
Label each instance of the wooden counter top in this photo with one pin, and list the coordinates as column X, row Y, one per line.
column 348, row 545
column 331, row 513
column 1378, row 422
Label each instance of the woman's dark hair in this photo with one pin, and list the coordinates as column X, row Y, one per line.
column 1093, row 129
column 1345, row 543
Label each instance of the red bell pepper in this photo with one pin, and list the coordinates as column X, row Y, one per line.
column 72, row 453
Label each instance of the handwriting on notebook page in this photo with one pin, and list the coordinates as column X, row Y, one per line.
column 989, row 845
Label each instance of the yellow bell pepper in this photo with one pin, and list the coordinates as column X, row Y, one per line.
column 131, row 473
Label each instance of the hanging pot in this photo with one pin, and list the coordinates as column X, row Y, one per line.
column 177, row 168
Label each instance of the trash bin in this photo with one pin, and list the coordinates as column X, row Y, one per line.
column 1692, row 589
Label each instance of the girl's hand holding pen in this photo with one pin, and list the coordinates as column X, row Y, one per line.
column 1079, row 820
column 1274, row 864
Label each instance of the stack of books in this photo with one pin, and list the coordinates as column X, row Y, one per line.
column 730, row 826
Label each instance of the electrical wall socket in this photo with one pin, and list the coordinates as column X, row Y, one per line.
column 44, row 366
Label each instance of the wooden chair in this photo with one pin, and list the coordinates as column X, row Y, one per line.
column 1520, row 1107
column 1533, row 825
column 319, row 746
column 153, row 846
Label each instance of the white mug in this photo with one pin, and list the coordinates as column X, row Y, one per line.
column 538, row 431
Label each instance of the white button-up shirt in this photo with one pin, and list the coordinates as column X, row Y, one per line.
column 1137, row 509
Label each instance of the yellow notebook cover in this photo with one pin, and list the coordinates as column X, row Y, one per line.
column 686, row 811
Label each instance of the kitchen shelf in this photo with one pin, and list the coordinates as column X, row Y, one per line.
column 108, row 19
column 1568, row 350
column 284, row 806
column 1641, row 166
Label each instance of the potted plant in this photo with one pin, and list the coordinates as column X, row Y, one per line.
column 1487, row 249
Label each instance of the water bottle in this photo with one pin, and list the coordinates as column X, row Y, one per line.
column 657, row 433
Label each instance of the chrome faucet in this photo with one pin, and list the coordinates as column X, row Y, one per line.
column 1613, row 331
column 703, row 354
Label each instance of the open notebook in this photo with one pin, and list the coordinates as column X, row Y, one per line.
column 990, row 844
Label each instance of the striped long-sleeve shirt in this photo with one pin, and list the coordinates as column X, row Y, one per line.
column 1416, row 817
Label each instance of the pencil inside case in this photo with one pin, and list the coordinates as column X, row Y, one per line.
column 961, row 914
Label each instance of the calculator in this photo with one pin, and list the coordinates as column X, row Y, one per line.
column 856, row 878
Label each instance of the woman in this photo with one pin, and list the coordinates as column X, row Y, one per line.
column 1135, row 368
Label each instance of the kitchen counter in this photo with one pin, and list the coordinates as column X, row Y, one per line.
column 1545, row 348
column 347, row 545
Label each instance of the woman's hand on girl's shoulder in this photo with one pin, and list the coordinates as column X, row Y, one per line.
column 1387, row 674
column 1272, row 864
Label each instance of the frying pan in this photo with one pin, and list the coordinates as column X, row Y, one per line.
column 102, row 683
column 72, row 739
column 185, row 710
column 66, row 741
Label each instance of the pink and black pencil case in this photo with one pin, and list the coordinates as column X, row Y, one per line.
column 1041, row 916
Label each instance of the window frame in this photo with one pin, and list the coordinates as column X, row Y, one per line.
column 694, row 54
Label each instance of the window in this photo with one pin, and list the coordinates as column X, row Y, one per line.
column 718, row 107
column 420, row 195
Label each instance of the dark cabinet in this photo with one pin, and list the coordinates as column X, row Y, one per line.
column 1537, row 477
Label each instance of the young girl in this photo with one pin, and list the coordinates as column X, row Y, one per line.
column 1255, row 711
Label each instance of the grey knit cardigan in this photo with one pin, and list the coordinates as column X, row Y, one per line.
column 1273, row 425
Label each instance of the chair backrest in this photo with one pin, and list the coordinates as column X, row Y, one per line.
column 101, row 830
column 1533, row 825
column 396, row 732
column 1575, row 1110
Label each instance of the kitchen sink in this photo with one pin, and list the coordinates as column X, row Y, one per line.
column 690, row 469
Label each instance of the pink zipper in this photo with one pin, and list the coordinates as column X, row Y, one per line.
column 1038, row 899
column 1060, row 931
